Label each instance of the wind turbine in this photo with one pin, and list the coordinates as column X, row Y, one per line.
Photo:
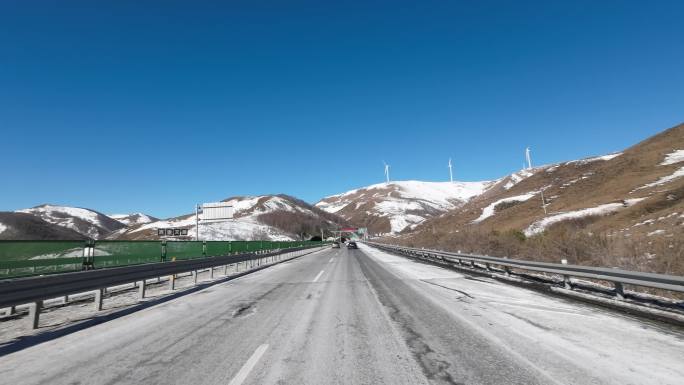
column 451, row 175
column 386, row 171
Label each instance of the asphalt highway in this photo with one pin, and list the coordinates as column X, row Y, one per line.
column 343, row 316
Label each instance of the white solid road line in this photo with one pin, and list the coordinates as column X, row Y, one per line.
column 318, row 276
column 331, row 259
column 249, row 365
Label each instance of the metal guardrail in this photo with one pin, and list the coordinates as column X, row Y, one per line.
column 35, row 290
column 618, row 277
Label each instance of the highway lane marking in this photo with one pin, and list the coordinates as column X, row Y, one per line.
column 249, row 365
column 331, row 259
column 318, row 276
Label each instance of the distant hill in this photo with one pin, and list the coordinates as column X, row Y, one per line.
column 86, row 222
column 265, row 217
column 400, row 206
column 22, row 226
column 133, row 219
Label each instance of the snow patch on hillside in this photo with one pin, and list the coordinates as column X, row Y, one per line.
column 441, row 193
column 666, row 179
column 541, row 225
column 244, row 229
column 490, row 209
column 595, row 159
column 403, row 206
column 673, row 157
column 518, row 177
column 244, row 225
column 406, row 203
column 66, row 216
column 132, row 219
column 245, row 206
column 2, row 228
column 53, row 212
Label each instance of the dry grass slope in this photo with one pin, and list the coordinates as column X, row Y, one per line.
column 647, row 235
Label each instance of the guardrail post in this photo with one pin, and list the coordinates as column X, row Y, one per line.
column 566, row 282
column 619, row 291
column 211, row 272
column 99, row 294
column 172, row 282
column 489, row 268
column 34, row 313
column 225, row 269
column 194, row 277
column 162, row 257
column 141, row 289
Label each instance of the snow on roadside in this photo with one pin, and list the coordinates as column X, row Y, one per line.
column 541, row 225
column 675, row 156
column 490, row 210
column 547, row 329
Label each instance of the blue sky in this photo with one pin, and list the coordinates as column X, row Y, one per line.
column 154, row 106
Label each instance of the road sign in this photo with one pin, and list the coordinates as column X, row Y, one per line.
column 172, row 232
column 217, row 210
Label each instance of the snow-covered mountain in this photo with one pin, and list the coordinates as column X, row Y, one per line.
column 23, row 226
column 397, row 206
column 133, row 219
column 266, row 217
column 89, row 223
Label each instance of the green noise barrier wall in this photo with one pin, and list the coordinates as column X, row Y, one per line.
column 26, row 258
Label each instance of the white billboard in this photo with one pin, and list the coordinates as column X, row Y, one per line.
column 217, row 210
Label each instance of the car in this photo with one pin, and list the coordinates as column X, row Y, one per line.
column 352, row 245
column 336, row 245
